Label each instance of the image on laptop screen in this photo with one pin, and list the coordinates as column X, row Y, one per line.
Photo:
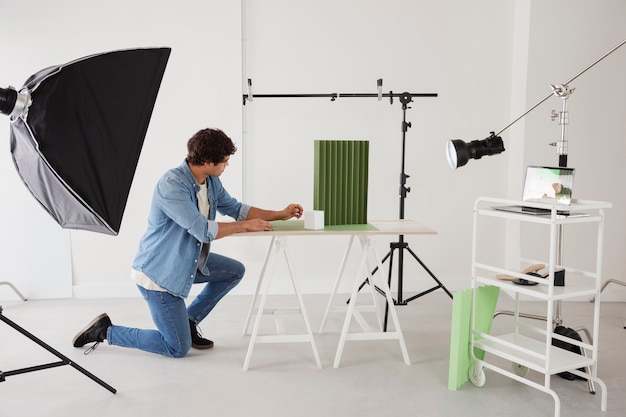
column 548, row 184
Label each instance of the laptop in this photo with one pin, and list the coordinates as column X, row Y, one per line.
column 551, row 185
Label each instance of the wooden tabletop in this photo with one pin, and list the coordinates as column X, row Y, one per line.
column 373, row 227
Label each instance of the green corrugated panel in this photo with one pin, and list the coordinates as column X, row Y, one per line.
column 317, row 175
column 340, row 181
column 460, row 330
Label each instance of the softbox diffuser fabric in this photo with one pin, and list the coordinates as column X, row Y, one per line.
column 78, row 146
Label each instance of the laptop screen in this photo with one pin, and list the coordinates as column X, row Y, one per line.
column 548, row 184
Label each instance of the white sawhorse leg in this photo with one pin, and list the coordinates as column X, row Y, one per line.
column 358, row 316
column 266, row 261
column 368, row 247
column 277, row 245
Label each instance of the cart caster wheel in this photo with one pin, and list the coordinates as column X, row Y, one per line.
column 477, row 375
column 520, row 370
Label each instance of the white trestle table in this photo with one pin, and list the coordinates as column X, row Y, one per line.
column 280, row 234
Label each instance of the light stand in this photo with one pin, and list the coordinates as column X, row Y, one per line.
column 458, row 152
column 72, row 112
column 64, row 359
column 562, row 91
column 401, row 245
column 14, row 104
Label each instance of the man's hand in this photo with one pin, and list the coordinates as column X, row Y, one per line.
column 257, row 225
column 292, row 210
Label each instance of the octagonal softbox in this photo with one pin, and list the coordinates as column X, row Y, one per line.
column 77, row 146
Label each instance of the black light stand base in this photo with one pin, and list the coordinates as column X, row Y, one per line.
column 64, row 360
column 405, row 246
column 401, row 245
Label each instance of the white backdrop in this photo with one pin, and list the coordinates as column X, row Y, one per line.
column 487, row 60
column 344, row 47
column 36, row 254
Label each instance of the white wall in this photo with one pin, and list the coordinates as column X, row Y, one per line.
column 487, row 60
column 560, row 49
column 446, row 48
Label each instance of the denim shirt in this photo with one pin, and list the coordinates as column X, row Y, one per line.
column 169, row 250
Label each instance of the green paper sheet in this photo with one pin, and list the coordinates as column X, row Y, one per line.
column 298, row 225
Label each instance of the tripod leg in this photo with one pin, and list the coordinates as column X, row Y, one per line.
column 393, row 247
column 366, row 280
column 394, row 316
column 401, row 246
column 429, row 273
column 66, row 360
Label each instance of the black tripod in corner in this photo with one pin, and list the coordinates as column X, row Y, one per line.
column 400, row 246
column 64, row 360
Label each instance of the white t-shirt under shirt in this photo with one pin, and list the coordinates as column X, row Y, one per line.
column 142, row 279
column 203, row 200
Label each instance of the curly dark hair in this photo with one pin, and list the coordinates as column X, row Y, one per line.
column 209, row 145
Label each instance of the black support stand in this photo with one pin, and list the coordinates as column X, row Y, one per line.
column 64, row 360
column 401, row 245
column 334, row 96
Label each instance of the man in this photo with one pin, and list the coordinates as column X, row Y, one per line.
column 174, row 252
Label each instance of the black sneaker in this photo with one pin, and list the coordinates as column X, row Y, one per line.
column 95, row 331
column 197, row 341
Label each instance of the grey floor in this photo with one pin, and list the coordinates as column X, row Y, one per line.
column 283, row 380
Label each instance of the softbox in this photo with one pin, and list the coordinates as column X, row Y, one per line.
column 77, row 145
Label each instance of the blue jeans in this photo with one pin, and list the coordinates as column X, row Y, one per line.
column 171, row 316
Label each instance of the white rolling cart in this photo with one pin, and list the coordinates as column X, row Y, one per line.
column 527, row 346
